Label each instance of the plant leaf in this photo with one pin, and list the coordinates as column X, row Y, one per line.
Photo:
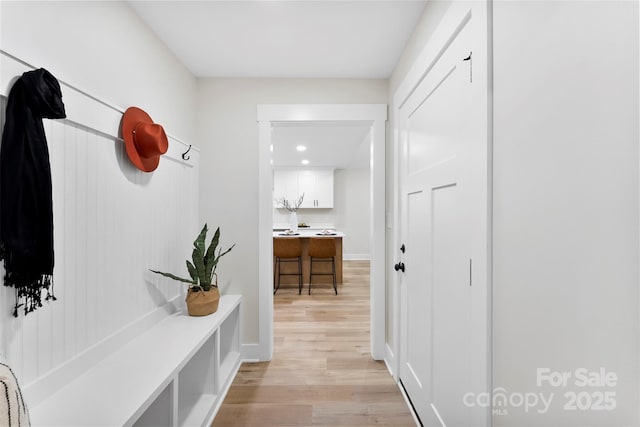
column 224, row 253
column 174, row 277
column 192, row 272
column 220, row 255
column 203, row 265
column 214, row 244
column 198, row 262
column 210, row 257
column 199, row 242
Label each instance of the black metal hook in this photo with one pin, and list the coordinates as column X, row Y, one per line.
column 184, row 155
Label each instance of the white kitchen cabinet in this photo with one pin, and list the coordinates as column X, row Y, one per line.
column 315, row 184
column 285, row 184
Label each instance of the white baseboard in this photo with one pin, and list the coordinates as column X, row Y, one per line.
column 391, row 362
column 251, row 353
column 356, row 257
column 409, row 405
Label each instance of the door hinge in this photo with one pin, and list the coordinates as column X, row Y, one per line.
column 470, row 271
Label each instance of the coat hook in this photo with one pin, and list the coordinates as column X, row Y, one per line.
column 184, row 155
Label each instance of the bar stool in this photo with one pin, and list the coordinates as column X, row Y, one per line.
column 287, row 249
column 322, row 250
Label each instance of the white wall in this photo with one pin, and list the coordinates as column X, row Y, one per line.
column 566, row 203
column 226, row 116
column 102, row 47
column 352, row 212
column 565, row 211
column 314, row 217
column 431, row 16
column 111, row 221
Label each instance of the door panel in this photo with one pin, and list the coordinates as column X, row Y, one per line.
column 438, row 206
column 418, row 356
column 430, row 125
column 451, row 306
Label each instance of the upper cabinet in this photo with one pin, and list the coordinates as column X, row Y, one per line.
column 285, row 184
column 315, row 184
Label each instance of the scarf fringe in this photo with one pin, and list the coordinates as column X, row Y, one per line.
column 28, row 290
column 30, row 296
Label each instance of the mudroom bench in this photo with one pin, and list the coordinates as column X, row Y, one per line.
column 175, row 373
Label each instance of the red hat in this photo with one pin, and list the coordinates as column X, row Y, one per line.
column 144, row 140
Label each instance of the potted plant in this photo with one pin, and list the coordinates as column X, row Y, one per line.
column 203, row 294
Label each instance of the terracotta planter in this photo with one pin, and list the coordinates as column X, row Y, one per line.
column 202, row 303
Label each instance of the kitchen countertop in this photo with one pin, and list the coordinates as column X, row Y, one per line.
column 305, row 232
column 319, row 226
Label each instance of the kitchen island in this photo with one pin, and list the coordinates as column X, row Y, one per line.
column 305, row 235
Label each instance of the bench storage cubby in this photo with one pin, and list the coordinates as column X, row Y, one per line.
column 175, row 373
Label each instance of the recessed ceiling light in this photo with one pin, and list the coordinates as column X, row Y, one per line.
column 301, row 148
column 305, row 162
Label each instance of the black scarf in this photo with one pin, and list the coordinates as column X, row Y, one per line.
column 26, row 208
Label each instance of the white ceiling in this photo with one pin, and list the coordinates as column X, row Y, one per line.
column 290, row 39
column 284, row 39
column 343, row 145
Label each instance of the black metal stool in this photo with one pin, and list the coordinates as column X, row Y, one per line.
column 322, row 249
column 287, row 249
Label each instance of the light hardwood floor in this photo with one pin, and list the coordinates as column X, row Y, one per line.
column 322, row 373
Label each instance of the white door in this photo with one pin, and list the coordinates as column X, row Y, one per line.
column 439, row 173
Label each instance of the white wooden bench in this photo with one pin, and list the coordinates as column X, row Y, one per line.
column 175, row 373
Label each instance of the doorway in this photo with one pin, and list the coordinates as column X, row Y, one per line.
column 268, row 115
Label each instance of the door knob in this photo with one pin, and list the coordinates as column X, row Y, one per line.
column 399, row 266
column 402, row 248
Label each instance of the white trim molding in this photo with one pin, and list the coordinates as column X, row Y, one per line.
column 376, row 114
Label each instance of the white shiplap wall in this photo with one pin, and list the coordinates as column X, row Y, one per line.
column 112, row 223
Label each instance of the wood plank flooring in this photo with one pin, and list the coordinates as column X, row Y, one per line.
column 322, row 373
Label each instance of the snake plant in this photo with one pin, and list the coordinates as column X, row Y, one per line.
column 203, row 264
